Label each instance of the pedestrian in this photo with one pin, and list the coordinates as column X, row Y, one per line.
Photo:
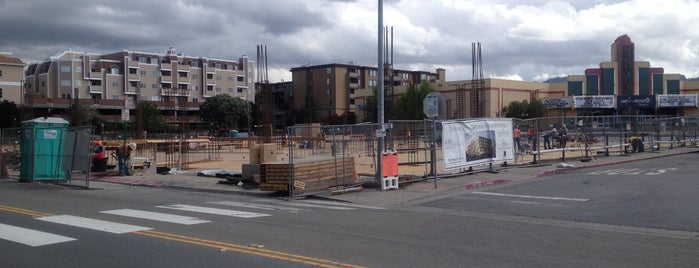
column 123, row 156
column 517, row 134
column 563, row 136
column 532, row 137
column 98, row 152
column 548, row 135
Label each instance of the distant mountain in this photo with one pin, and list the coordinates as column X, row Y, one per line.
column 557, row 80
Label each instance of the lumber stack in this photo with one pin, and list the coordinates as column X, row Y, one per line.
column 309, row 174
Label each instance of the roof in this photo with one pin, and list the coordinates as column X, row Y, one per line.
column 9, row 59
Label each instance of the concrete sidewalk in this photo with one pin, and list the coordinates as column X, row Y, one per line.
column 418, row 191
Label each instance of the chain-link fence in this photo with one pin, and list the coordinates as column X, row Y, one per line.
column 587, row 136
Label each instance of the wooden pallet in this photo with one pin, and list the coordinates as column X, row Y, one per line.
column 309, row 174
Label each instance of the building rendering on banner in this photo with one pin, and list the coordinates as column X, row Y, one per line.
column 176, row 83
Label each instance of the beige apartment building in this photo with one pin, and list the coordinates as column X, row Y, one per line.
column 178, row 84
column 324, row 91
column 11, row 78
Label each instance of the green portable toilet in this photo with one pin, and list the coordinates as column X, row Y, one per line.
column 42, row 145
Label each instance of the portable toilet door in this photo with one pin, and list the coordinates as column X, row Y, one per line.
column 42, row 148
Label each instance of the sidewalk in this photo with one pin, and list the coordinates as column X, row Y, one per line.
column 549, row 164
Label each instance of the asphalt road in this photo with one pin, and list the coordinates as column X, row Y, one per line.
column 618, row 216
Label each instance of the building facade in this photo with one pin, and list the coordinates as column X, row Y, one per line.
column 176, row 83
column 621, row 86
column 331, row 90
column 11, row 78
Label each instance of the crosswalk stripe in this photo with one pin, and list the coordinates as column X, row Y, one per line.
column 335, row 203
column 30, row 237
column 216, row 211
column 256, row 206
column 94, row 224
column 307, row 205
column 156, row 216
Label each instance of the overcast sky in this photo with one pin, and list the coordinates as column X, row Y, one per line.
column 524, row 40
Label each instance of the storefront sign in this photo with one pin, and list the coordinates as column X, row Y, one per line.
column 557, row 103
column 584, row 102
column 680, row 100
column 635, row 102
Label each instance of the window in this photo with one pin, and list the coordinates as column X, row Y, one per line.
column 78, row 83
column 154, row 86
column 195, row 87
column 218, row 78
column 153, row 60
column 218, row 66
column 65, row 96
column 194, row 63
column 144, row 98
column 218, row 89
column 195, row 99
column 195, row 76
column 115, row 84
column 405, row 75
column 43, row 83
column 156, row 73
column 143, row 73
column 142, row 85
column 241, row 79
column 114, row 70
column 78, row 69
column 0, row 72
column 142, row 59
column 240, row 90
column 65, row 69
column 65, row 83
column 115, row 97
column 329, row 70
column 328, row 91
column 154, row 98
column 230, row 90
column 0, row 93
column 327, row 81
column 372, row 72
column 230, row 78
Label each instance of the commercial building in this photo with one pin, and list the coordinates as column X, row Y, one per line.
column 177, row 84
column 621, row 86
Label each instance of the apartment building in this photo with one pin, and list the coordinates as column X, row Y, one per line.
column 321, row 92
column 178, row 84
column 11, row 78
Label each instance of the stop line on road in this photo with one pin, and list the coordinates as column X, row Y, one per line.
column 534, row 196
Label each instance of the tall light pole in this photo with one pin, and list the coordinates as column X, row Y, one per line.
column 380, row 97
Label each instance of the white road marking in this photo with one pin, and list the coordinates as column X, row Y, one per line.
column 94, row 224
column 155, row 216
column 30, row 237
column 534, row 197
column 335, row 203
column 216, row 211
column 298, row 204
column 255, row 206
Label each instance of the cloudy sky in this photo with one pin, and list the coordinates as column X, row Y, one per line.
column 529, row 40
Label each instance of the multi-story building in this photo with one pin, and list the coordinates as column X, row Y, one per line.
column 176, row 83
column 11, row 78
column 621, row 86
column 329, row 90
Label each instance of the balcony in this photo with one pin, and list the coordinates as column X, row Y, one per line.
column 353, row 74
column 131, row 90
column 353, row 85
column 134, row 63
column 95, row 75
column 183, row 68
column 166, row 66
column 96, row 89
column 166, row 79
column 134, row 77
column 176, row 92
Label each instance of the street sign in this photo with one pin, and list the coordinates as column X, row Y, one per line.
column 128, row 103
column 125, row 115
column 431, row 105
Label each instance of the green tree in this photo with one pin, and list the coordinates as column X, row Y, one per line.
column 9, row 114
column 371, row 107
column 410, row 103
column 223, row 112
column 525, row 110
column 150, row 118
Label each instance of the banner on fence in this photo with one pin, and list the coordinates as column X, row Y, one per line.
column 470, row 142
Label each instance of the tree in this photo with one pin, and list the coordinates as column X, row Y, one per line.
column 9, row 114
column 150, row 118
column 371, row 107
column 410, row 103
column 223, row 112
column 525, row 110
